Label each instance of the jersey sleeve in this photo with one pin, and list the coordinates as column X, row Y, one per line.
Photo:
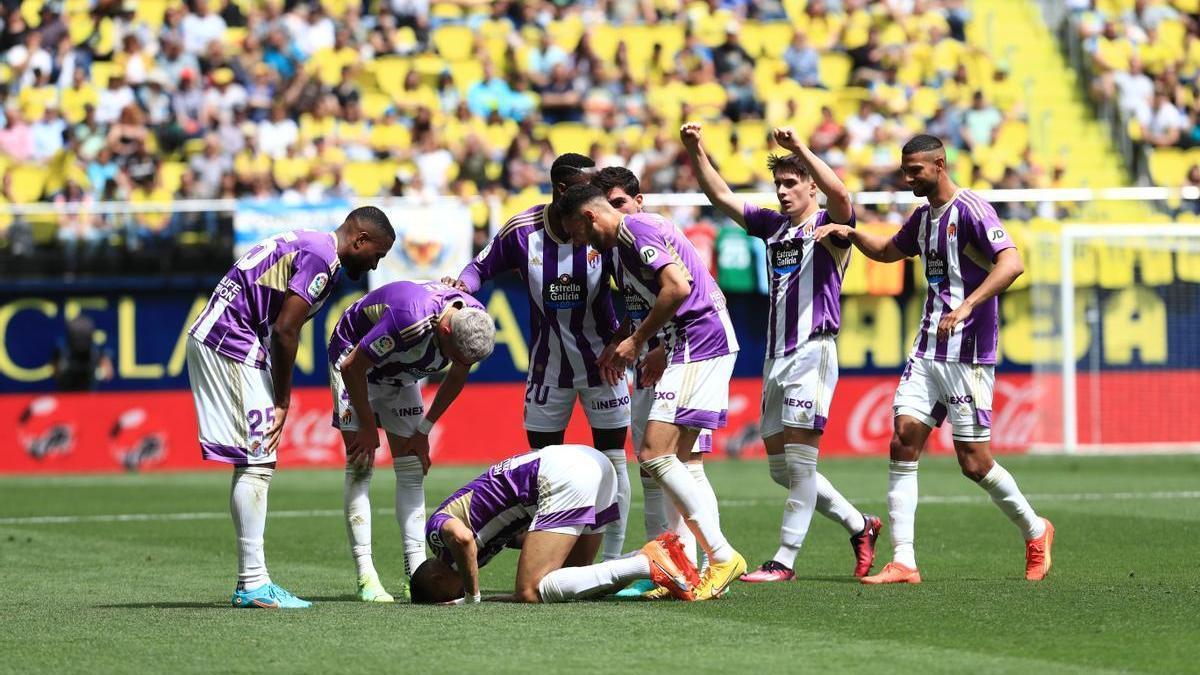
column 906, row 238
column 760, row 222
column 381, row 340
column 838, row 241
column 650, row 246
column 310, row 276
column 984, row 228
column 493, row 260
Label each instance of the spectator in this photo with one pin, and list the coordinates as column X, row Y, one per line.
column 282, row 55
column 487, row 94
column 803, row 62
column 89, row 134
column 188, row 107
column 128, row 136
column 16, row 139
column 433, row 163
column 1134, row 90
column 1192, row 180
column 979, row 123
column 78, row 231
column 827, row 132
column 79, row 94
column 866, row 61
column 695, row 61
column 1166, row 124
column 226, row 94
column 741, row 102
column 175, row 62
column 543, row 58
column 861, row 126
column 113, row 99
column 48, row 134
column 209, row 167
column 730, row 56
column 562, row 97
column 102, row 170
column 277, row 134
column 27, row 59
column 201, row 27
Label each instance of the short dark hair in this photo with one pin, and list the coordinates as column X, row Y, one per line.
column 578, row 195
column 568, row 165
column 370, row 217
column 790, row 163
column 921, row 143
column 617, row 177
column 431, row 583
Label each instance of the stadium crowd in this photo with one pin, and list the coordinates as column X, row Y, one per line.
column 157, row 101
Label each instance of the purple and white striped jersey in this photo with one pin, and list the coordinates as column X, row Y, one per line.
column 570, row 297
column 959, row 246
column 806, row 277
column 701, row 329
column 395, row 325
column 237, row 320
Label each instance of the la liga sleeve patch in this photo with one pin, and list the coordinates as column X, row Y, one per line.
column 382, row 345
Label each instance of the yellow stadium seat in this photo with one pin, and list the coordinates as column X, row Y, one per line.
column 737, row 171
column 453, row 43
column 776, row 38
column 171, row 174
column 752, row 134
column 500, row 136
column 150, row 12
column 28, row 182
column 566, row 33
column 390, row 72
column 572, row 137
column 287, row 170
column 80, row 27
column 604, row 40
column 521, row 201
column 102, row 71
column 1168, row 166
column 835, row 70
column 465, row 74
column 31, row 11
column 445, row 10
column 363, row 178
column 406, row 39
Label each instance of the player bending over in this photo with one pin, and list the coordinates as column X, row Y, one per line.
column 664, row 270
column 801, row 370
column 623, row 191
column 560, row 498
column 240, row 355
column 380, row 350
column 969, row 260
column 572, row 319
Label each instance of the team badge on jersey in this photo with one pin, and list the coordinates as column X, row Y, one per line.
column 649, row 254
column 786, row 255
column 382, row 345
column 317, row 285
column 564, row 293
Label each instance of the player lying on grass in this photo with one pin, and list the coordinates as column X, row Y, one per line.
column 801, row 369
column 559, row 499
column 240, row 355
column 683, row 301
column 380, row 350
column 969, row 260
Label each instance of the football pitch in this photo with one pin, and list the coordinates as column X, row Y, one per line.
column 133, row 573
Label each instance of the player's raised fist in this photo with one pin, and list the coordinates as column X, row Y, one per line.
column 690, row 134
column 786, row 138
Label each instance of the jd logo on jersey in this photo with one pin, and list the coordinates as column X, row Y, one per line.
column 786, row 256
column 564, row 293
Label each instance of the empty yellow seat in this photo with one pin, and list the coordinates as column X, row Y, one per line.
column 453, row 43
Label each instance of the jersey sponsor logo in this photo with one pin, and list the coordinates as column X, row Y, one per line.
column 635, row 305
column 409, row 412
column 952, row 399
column 786, row 256
column 935, row 268
column 798, row 403
column 611, row 403
column 382, row 345
column 484, row 253
column 317, row 285
column 997, row 234
column 228, row 289
column 564, row 293
column 664, row 396
column 648, row 254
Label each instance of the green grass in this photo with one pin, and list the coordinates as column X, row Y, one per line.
column 153, row 595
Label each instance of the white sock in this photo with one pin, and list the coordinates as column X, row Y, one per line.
column 655, row 512
column 410, row 510
column 248, row 504
column 356, row 502
column 710, row 498
column 779, row 469
column 902, row 510
column 1002, row 488
column 832, row 505
column 801, row 501
column 574, row 583
column 614, row 534
column 678, row 524
column 679, row 485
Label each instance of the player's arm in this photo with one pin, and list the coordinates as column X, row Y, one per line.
column 461, row 541
column 354, row 369
column 876, row 247
column 285, row 341
column 1005, row 270
column 608, row 373
column 714, row 186
column 837, row 197
column 674, row 290
column 490, row 263
column 448, row 390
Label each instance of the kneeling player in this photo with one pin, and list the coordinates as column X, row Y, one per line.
column 381, row 348
column 561, row 498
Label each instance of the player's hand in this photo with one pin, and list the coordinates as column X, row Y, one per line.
column 418, row 446
column 625, row 354
column 689, row 134
column 653, row 366
column 454, row 283
column 611, row 376
column 832, row 229
column 787, row 138
column 274, row 432
column 950, row 321
column 361, row 451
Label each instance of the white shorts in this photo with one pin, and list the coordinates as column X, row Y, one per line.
column 798, row 388
column 235, row 405
column 577, row 491
column 398, row 410
column 695, row 394
column 642, row 399
column 549, row 408
column 932, row 391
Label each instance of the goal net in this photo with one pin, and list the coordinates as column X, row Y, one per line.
column 1115, row 315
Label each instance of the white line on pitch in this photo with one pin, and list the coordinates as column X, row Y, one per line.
column 731, row 503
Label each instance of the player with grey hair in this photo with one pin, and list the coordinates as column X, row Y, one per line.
column 380, row 350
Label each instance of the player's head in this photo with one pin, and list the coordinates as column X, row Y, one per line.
column 569, row 169
column 363, row 239
column 435, row 582
column 470, row 336
column 794, row 187
column 589, row 217
column 621, row 188
column 923, row 164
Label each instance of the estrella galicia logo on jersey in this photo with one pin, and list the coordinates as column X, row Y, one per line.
column 997, row 234
column 648, row 254
column 786, row 256
column 382, row 345
column 635, row 305
column 564, row 293
column 935, row 268
column 317, row 285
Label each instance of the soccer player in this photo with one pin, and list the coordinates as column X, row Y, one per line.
column 623, row 191
column 240, row 355
column 572, row 319
column 380, row 350
column 801, row 369
column 559, row 499
column 969, row 260
column 664, row 270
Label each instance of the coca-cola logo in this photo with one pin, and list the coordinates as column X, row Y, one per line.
column 870, row 421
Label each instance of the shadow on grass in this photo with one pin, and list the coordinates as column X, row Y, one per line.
column 214, row 604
